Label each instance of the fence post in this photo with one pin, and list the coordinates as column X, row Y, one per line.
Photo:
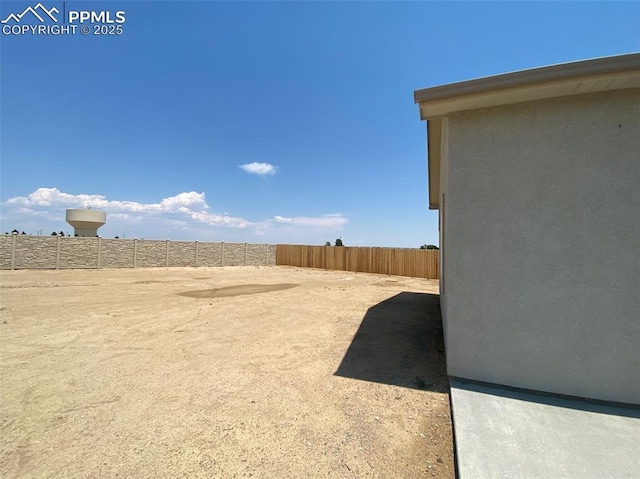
column 346, row 258
column 326, row 254
column 99, row 251
column 195, row 261
column 58, row 252
column 13, row 251
column 245, row 253
column 135, row 251
column 266, row 254
column 221, row 253
column 167, row 253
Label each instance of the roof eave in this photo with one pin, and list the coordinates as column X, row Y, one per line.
column 600, row 74
column 534, row 76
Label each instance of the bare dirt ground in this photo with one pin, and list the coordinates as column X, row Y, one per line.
column 270, row 372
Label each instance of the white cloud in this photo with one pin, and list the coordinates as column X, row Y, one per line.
column 301, row 229
column 325, row 221
column 215, row 219
column 185, row 200
column 192, row 205
column 185, row 215
column 256, row 168
column 125, row 218
column 43, row 197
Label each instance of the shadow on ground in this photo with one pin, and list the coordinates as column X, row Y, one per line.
column 400, row 342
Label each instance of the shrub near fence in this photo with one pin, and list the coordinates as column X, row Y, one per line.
column 417, row 263
column 57, row 252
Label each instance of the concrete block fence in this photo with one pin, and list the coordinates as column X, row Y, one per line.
column 66, row 252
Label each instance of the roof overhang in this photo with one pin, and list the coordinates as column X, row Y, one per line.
column 600, row 74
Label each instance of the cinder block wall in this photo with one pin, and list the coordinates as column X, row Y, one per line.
column 52, row 252
column 78, row 254
column 116, row 253
column 32, row 251
column 209, row 254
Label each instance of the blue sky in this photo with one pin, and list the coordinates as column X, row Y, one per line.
column 279, row 122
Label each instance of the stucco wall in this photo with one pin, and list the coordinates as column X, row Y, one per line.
column 542, row 255
column 50, row 252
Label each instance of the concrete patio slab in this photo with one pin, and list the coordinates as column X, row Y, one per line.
column 504, row 433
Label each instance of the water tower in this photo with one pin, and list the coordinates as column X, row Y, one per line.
column 86, row 222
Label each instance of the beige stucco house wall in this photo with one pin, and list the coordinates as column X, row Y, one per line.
column 536, row 176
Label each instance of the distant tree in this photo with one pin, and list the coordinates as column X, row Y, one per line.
column 328, row 243
column 339, row 242
column 429, row 246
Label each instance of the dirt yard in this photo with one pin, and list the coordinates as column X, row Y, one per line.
column 269, row 372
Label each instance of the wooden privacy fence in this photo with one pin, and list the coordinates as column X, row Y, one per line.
column 418, row 263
